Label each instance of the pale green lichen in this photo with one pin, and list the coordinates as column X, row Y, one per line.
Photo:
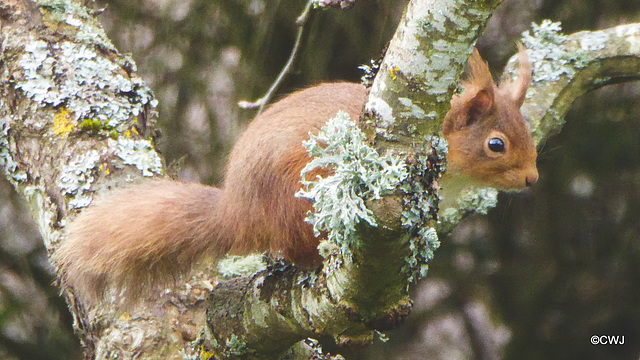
column 553, row 121
column 90, row 86
column 139, row 153
column 359, row 173
column 327, row 249
column 76, row 178
column 549, row 56
column 421, row 204
column 384, row 112
column 630, row 34
column 260, row 312
column 602, row 80
column 10, row 166
column 594, row 40
column 331, row 253
column 235, row 346
column 411, row 110
column 471, row 199
column 426, row 56
column 83, row 26
column 441, row 81
column 440, row 70
column 232, row 266
column 422, row 249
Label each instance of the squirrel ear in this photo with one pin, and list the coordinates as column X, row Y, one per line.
column 481, row 88
column 477, row 99
column 479, row 105
column 521, row 84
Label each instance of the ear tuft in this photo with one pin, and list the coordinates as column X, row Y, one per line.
column 521, row 84
column 477, row 99
column 479, row 87
column 480, row 76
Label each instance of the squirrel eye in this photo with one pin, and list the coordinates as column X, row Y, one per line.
column 496, row 145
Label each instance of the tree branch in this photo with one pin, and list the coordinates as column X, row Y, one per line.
column 410, row 96
column 566, row 67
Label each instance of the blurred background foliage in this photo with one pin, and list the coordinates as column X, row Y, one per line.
column 535, row 279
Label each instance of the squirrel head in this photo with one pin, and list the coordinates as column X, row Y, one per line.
column 489, row 140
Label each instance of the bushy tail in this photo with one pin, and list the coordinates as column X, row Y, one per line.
column 140, row 238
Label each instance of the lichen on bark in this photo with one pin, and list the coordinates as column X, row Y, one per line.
column 567, row 66
column 419, row 73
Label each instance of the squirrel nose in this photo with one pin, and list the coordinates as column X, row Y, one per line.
column 531, row 178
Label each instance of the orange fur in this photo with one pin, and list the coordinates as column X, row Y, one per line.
column 141, row 237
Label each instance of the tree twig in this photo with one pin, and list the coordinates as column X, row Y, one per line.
column 342, row 4
column 260, row 103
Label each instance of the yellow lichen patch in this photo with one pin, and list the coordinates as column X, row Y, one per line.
column 102, row 168
column 393, row 72
column 130, row 132
column 206, row 355
column 62, row 122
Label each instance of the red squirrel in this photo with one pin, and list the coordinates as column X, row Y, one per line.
column 141, row 237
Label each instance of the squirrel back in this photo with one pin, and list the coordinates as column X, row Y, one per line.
column 142, row 237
